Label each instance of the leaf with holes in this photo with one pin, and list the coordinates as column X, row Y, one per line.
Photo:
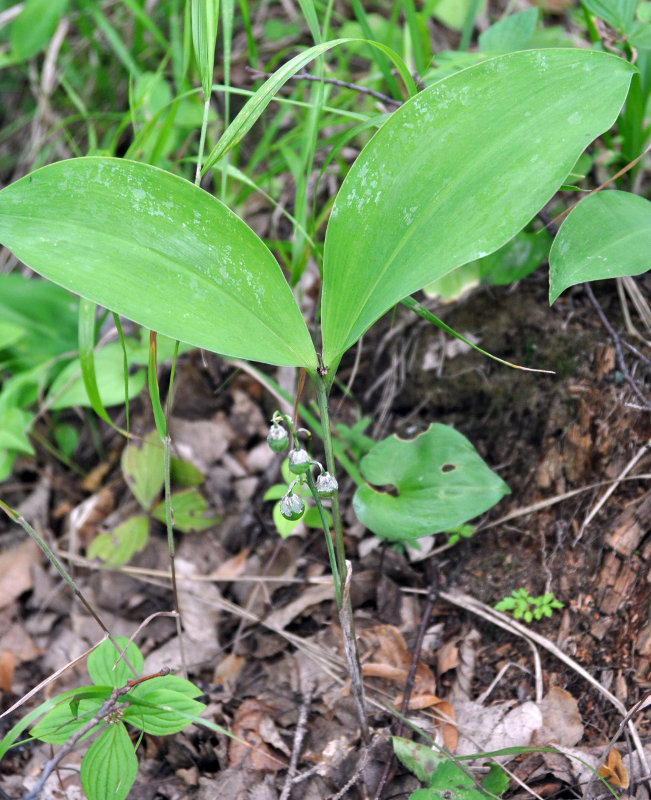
column 440, row 480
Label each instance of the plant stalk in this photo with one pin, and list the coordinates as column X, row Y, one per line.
column 344, row 604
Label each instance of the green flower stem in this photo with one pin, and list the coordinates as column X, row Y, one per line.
column 322, row 401
column 328, row 538
column 202, row 139
column 344, row 604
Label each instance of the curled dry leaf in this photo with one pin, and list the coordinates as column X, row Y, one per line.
column 614, row 770
column 252, row 751
column 7, row 663
column 389, row 659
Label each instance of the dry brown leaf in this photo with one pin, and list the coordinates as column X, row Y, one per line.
column 447, row 657
column 495, row 727
column 16, row 571
column 232, row 568
column 86, row 518
column 386, row 650
column 256, row 754
column 391, row 660
column 228, row 670
column 386, row 671
column 312, row 596
column 614, row 770
column 7, row 663
column 561, row 720
column 21, row 644
column 441, row 710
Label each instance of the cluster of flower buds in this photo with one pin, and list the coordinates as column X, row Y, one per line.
column 292, row 506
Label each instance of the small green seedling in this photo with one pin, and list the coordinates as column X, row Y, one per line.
column 524, row 606
column 159, row 705
column 143, row 471
column 444, row 777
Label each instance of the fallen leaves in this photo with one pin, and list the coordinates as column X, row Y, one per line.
column 16, row 571
column 614, row 770
column 253, row 728
column 391, row 661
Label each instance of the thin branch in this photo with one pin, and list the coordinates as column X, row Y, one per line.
column 299, row 735
column 618, row 347
column 355, row 87
column 432, row 596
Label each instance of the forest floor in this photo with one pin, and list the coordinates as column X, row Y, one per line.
column 262, row 637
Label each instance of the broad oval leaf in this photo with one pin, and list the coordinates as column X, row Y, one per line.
column 607, row 235
column 161, row 711
column 441, row 482
column 157, row 249
column 455, row 173
column 110, row 766
column 105, row 669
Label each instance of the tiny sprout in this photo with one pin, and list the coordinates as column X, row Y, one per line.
column 299, row 461
column 277, row 438
column 292, row 506
column 326, row 485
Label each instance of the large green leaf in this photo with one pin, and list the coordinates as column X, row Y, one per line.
column 606, row 236
column 455, row 173
column 441, row 482
column 158, row 250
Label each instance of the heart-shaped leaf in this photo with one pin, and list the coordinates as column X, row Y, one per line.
column 143, row 469
column 455, row 173
column 606, row 236
column 189, row 507
column 119, row 546
column 440, row 479
column 159, row 250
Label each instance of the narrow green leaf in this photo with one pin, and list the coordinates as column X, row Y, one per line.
column 159, row 250
column 87, row 358
column 607, row 235
column 205, row 15
column 112, row 36
column 104, row 667
column 252, row 111
column 65, row 698
column 425, row 313
column 441, row 482
column 154, row 392
column 455, row 173
column 110, row 766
